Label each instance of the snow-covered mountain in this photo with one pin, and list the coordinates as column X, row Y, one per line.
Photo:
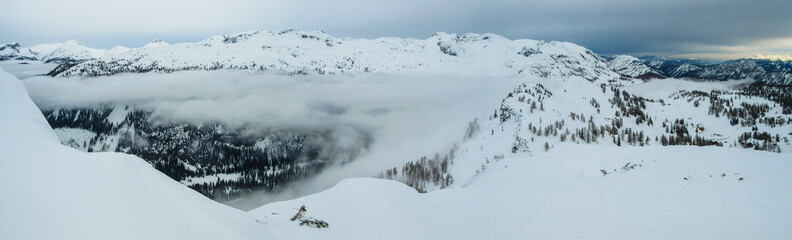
column 770, row 71
column 199, row 155
column 314, row 52
column 563, row 157
column 69, row 52
column 308, row 52
column 192, row 153
column 54, row 192
column 633, row 67
column 576, row 147
column 12, row 51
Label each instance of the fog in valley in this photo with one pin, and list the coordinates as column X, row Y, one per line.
column 379, row 120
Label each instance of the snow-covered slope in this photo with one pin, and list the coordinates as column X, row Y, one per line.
column 563, row 195
column 51, row 191
column 566, row 158
column 314, row 52
column 633, row 67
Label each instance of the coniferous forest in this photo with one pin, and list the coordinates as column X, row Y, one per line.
column 218, row 162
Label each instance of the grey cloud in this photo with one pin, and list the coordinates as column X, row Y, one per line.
column 609, row 27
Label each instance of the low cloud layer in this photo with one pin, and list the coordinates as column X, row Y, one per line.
column 671, row 27
column 406, row 115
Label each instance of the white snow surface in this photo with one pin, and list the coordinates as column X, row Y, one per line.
column 51, row 191
column 77, row 138
column 563, row 195
column 119, row 114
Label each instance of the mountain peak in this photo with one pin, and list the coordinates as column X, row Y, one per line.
column 14, row 45
column 156, row 43
column 72, row 42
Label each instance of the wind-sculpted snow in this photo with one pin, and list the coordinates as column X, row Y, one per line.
column 314, row 52
column 51, row 191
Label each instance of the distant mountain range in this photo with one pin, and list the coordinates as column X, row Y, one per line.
column 225, row 163
column 69, row 52
column 574, row 125
column 773, row 71
column 314, row 52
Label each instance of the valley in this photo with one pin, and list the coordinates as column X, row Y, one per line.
column 453, row 136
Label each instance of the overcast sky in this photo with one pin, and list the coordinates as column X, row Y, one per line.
column 701, row 28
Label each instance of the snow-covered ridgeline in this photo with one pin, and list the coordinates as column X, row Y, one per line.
column 543, row 112
column 314, row 52
column 68, row 52
column 633, row 67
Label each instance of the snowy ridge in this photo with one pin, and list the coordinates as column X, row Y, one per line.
column 542, row 112
column 155, row 43
column 76, row 195
column 314, row 52
column 68, row 52
column 773, row 71
column 12, row 51
column 71, row 51
column 684, row 69
column 633, row 67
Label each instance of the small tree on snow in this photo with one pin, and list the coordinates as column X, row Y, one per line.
column 307, row 221
column 300, row 214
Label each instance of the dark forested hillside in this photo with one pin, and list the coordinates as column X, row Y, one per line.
column 220, row 163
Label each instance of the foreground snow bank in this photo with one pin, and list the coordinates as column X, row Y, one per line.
column 649, row 193
column 51, row 191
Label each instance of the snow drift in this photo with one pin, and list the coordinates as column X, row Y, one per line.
column 668, row 193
